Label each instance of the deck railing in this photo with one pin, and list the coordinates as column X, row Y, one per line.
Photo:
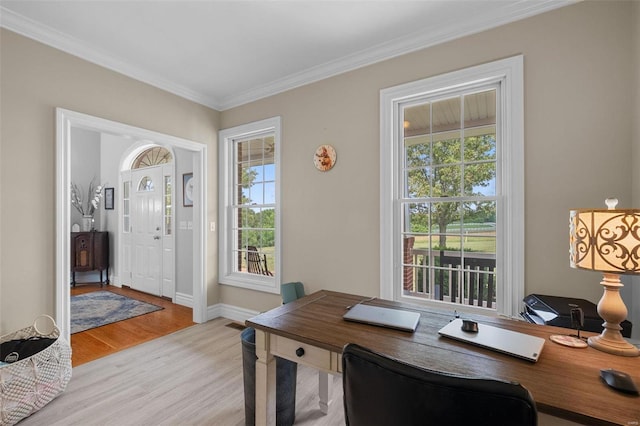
column 448, row 276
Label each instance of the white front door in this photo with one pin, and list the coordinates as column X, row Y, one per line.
column 146, row 230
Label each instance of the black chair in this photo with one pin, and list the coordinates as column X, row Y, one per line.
column 379, row 390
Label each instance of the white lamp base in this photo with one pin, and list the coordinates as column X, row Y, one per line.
column 612, row 309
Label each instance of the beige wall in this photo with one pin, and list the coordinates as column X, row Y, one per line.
column 579, row 128
column 578, row 133
column 35, row 79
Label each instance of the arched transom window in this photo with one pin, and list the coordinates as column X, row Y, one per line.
column 152, row 157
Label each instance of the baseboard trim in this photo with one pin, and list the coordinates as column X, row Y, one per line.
column 184, row 300
column 231, row 312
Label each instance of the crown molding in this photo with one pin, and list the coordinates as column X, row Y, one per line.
column 511, row 12
column 397, row 47
column 61, row 41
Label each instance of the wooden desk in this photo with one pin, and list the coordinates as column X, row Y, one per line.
column 565, row 382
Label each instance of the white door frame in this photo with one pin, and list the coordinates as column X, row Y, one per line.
column 65, row 121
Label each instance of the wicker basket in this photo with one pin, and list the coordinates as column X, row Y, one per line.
column 29, row 384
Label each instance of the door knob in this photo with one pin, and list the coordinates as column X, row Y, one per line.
column 156, row 237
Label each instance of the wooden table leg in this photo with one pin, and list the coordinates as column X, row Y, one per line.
column 325, row 384
column 265, row 381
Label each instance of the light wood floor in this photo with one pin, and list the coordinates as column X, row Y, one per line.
column 191, row 377
column 101, row 341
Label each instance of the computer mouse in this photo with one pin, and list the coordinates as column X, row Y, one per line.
column 470, row 326
column 619, row 380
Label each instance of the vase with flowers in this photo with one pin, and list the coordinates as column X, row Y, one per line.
column 87, row 207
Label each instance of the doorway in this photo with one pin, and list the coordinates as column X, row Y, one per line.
column 146, row 219
column 66, row 121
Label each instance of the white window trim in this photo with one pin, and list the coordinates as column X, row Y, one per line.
column 510, row 244
column 269, row 284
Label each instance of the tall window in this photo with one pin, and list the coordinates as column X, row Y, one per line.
column 249, row 243
column 452, row 189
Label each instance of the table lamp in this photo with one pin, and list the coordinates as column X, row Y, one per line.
column 607, row 240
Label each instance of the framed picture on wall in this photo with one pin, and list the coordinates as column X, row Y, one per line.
column 187, row 189
column 108, row 198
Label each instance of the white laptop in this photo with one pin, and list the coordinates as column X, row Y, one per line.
column 498, row 339
column 383, row 317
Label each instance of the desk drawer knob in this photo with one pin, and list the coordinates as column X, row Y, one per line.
column 300, row 352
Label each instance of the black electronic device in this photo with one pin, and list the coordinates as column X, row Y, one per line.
column 619, row 380
column 577, row 318
column 557, row 311
column 470, row 326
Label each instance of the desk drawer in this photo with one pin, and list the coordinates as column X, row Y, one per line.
column 301, row 352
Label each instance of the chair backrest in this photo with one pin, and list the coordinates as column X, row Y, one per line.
column 379, row 390
column 291, row 291
column 256, row 263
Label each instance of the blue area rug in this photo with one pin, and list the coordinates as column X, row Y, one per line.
column 98, row 308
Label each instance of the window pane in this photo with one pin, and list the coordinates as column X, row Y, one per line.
column 256, row 149
column 480, row 109
column 243, row 218
column 417, row 218
column 269, row 218
column 270, row 171
column 447, row 150
column 418, row 183
column 242, row 151
column 243, row 195
column 445, row 220
column 146, row 184
column 446, row 181
column 168, row 214
column 417, row 151
column 480, row 144
column 480, row 227
column 126, row 212
column 479, row 243
column 270, row 193
column 417, row 120
column 257, row 193
column 480, row 179
column 446, row 115
column 259, row 173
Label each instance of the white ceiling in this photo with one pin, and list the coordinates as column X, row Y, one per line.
column 226, row 53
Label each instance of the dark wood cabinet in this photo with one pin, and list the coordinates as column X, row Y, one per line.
column 90, row 252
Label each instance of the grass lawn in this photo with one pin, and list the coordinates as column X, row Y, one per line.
column 477, row 242
column 482, row 242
